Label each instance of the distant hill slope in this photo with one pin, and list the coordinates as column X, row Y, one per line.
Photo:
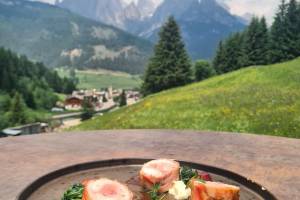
column 59, row 38
column 262, row 100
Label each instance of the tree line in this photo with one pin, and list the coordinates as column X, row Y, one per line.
column 170, row 66
column 25, row 86
column 260, row 45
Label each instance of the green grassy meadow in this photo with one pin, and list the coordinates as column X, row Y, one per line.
column 103, row 79
column 259, row 99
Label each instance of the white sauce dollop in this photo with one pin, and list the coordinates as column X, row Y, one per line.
column 180, row 191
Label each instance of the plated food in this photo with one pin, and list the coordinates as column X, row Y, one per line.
column 105, row 189
column 213, row 190
column 161, row 179
column 163, row 172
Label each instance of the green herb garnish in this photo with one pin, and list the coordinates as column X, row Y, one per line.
column 187, row 173
column 154, row 193
column 74, row 192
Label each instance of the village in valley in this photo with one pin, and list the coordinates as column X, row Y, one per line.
column 99, row 99
column 70, row 110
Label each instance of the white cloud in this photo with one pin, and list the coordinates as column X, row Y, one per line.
column 265, row 8
column 238, row 7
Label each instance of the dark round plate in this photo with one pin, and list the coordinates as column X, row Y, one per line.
column 53, row 185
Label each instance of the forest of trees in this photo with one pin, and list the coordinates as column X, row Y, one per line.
column 260, row 45
column 24, row 86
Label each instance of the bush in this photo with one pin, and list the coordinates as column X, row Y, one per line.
column 88, row 110
column 203, row 70
column 123, row 99
column 104, row 100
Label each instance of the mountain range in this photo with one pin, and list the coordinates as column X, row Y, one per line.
column 203, row 22
column 58, row 37
column 110, row 34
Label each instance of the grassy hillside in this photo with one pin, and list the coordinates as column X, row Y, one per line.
column 261, row 99
column 103, row 79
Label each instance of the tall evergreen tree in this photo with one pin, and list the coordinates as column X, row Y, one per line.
column 264, row 42
column 292, row 29
column 17, row 112
column 232, row 54
column 298, row 29
column 170, row 66
column 278, row 36
column 218, row 61
column 256, row 42
column 250, row 39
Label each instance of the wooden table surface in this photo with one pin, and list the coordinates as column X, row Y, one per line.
column 273, row 162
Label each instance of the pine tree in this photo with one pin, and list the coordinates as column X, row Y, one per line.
column 278, row 36
column 298, row 30
column 219, row 59
column 170, row 66
column 251, row 35
column 292, row 20
column 256, row 42
column 233, row 53
column 17, row 111
column 264, row 41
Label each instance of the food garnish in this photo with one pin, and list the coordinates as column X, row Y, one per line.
column 205, row 176
column 74, row 192
column 180, row 191
column 154, row 192
column 187, row 173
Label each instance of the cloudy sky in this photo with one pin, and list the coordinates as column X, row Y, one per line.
column 241, row 7
column 257, row 7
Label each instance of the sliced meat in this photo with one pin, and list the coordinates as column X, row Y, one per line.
column 105, row 189
column 162, row 171
column 213, row 191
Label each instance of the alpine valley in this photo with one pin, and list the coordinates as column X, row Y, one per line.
column 112, row 34
column 57, row 37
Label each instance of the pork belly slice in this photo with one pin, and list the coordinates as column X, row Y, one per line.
column 105, row 189
column 162, row 171
column 213, row 191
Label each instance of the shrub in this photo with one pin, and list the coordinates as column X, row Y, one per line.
column 203, row 70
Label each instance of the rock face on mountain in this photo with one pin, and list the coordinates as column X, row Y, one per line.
column 203, row 22
column 58, row 37
column 114, row 12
